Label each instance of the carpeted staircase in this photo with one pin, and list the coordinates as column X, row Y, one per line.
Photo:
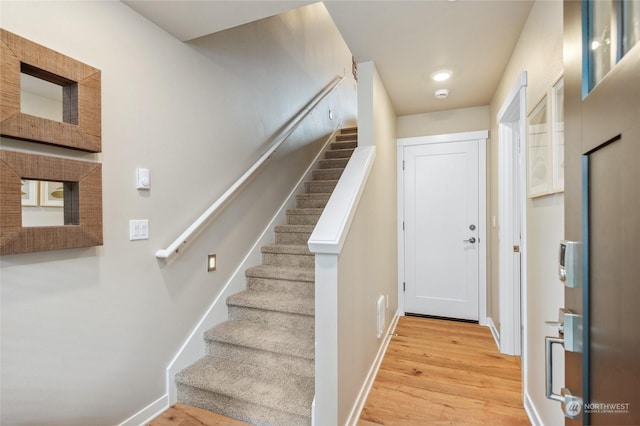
column 259, row 365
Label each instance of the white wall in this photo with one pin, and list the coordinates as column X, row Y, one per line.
column 444, row 122
column 539, row 52
column 367, row 266
column 87, row 333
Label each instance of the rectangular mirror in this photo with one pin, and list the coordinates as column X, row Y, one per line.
column 40, row 98
column 49, row 203
column 68, row 191
column 23, row 64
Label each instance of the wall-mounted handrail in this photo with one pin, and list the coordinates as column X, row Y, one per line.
column 189, row 234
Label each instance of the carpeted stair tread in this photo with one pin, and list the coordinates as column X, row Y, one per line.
column 271, row 301
column 313, row 197
column 287, row 249
column 339, row 153
column 305, row 211
column 344, row 144
column 281, row 273
column 265, row 387
column 327, row 174
column 333, row 163
column 258, row 336
column 296, row 234
column 303, row 229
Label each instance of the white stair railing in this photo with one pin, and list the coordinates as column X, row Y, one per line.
column 192, row 231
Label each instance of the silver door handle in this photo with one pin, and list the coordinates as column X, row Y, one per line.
column 571, row 404
column 470, row 240
column 548, row 342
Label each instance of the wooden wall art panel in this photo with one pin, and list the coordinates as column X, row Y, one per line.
column 81, row 84
column 84, row 205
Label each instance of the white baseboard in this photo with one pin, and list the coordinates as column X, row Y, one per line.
column 148, row 413
column 532, row 413
column 356, row 410
column 194, row 347
column 494, row 331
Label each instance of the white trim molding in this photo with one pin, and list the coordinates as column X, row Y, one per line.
column 512, row 230
column 148, row 413
column 530, row 409
column 494, row 331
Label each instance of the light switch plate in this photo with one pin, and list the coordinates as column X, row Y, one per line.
column 138, row 229
column 143, row 180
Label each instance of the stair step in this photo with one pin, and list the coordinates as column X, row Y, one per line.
column 295, row 281
column 293, row 234
column 256, row 344
column 275, row 279
column 281, row 273
column 257, row 336
column 348, row 130
column 320, row 186
column 327, row 174
column 288, row 255
column 305, row 216
column 333, row 163
column 344, row 145
column 283, row 310
column 312, row 200
column 347, row 137
column 339, row 153
column 246, row 392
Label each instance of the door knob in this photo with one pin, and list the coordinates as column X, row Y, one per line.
column 470, row 240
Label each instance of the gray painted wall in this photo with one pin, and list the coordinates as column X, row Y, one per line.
column 87, row 333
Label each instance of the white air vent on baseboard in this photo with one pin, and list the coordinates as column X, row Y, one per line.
column 380, row 305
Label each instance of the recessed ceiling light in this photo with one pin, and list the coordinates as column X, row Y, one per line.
column 441, row 75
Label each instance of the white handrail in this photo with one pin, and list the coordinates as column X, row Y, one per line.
column 191, row 231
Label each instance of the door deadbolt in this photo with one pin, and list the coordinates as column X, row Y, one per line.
column 472, row 227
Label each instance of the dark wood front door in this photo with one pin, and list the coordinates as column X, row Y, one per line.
column 602, row 210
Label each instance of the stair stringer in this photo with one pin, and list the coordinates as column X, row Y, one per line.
column 194, row 346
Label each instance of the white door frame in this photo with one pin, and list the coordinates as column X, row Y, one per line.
column 481, row 137
column 512, row 168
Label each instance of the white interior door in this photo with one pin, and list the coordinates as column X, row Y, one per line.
column 441, row 196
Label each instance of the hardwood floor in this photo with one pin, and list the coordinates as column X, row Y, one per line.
column 184, row 415
column 434, row 372
column 438, row 372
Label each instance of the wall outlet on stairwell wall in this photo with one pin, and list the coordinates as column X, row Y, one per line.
column 330, row 115
column 380, row 308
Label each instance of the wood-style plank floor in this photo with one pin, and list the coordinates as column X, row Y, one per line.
column 434, row 372
column 184, row 415
column 438, row 372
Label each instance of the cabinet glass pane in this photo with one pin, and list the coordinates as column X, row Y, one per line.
column 630, row 24
column 599, row 39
